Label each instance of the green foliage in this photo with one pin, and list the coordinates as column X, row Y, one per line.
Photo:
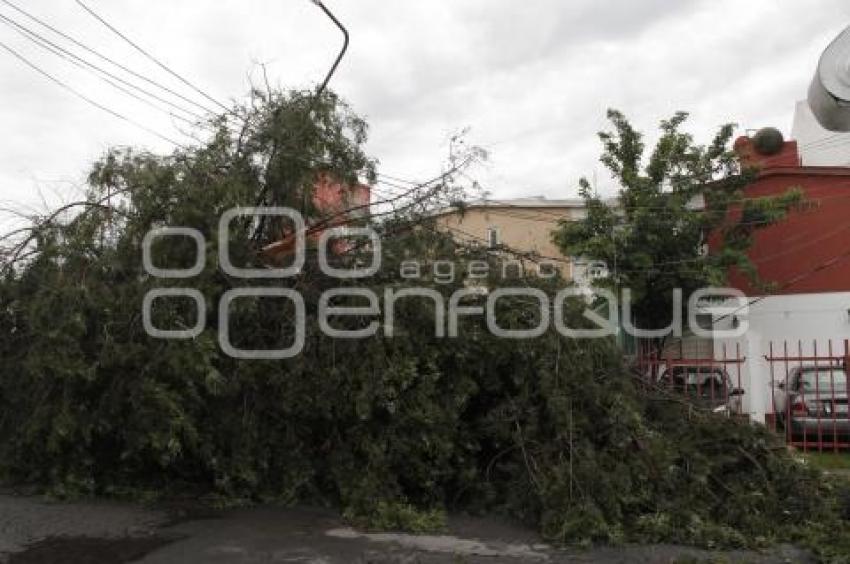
column 654, row 240
column 398, row 516
column 392, row 431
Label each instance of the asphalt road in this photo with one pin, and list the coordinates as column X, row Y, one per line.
column 33, row 530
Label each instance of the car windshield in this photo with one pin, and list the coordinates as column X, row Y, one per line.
column 703, row 381
column 698, row 374
column 823, row 379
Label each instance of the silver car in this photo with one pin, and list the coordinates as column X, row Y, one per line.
column 812, row 402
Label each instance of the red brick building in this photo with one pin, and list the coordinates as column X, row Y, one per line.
column 806, row 258
column 336, row 204
column 802, row 254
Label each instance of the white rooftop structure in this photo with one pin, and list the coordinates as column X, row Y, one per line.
column 818, row 146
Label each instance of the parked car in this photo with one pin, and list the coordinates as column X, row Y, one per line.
column 813, row 401
column 707, row 386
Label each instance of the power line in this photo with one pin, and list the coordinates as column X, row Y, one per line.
column 655, row 266
column 58, row 50
column 809, row 243
column 530, row 213
column 799, row 278
column 539, row 213
column 82, row 96
column 102, row 75
column 103, row 57
column 162, row 65
column 532, row 256
column 761, row 259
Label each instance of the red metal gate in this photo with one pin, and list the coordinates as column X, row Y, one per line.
column 809, row 395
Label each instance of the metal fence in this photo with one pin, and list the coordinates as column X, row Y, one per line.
column 810, row 388
column 710, row 382
column 807, row 383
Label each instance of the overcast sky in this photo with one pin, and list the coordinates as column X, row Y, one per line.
column 531, row 78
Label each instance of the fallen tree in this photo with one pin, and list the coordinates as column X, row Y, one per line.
column 392, row 430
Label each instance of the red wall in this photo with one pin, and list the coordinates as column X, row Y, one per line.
column 331, row 197
column 803, row 254
column 337, row 204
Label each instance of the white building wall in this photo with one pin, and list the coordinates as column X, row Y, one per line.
column 794, row 318
column 818, row 146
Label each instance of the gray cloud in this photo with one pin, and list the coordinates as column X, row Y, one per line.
column 532, row 79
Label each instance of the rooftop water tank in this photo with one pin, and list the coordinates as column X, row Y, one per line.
column 829, row 94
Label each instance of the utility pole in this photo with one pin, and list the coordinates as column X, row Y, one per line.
column 620, row 336
column 614, row 241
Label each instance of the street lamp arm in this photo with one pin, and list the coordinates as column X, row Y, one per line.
column 342, row 51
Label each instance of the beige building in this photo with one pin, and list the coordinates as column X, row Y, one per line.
column 523, row 225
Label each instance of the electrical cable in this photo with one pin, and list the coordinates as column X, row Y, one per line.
column 105, row 58
column 159, row 63
column 82, row 96
column 128, row 92
column 799, row 278
column 42, row 41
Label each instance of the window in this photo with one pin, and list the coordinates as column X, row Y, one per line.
column 822, row 379
column 705, row 321
column 597, row 270
column 493, row 237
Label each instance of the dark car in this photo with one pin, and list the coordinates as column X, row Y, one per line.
column 813, row 401
column 708, row 386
